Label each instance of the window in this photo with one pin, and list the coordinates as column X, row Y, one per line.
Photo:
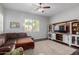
column 31, row 25
column 35, row 25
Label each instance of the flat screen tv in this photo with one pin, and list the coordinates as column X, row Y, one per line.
column 61, row 29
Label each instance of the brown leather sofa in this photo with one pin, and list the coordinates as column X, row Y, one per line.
column 5, row 46
column 17, row 39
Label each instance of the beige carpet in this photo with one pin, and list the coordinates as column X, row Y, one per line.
column 48, row 47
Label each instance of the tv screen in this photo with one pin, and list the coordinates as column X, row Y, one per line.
column 61, row 28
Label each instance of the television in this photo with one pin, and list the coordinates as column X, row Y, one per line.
column 61, row 29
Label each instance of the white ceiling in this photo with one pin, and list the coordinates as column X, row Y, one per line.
column 31, row 8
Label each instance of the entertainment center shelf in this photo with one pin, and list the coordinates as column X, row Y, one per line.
column 66, row 32
column 59, row 37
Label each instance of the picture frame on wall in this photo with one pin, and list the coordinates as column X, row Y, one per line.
column 14, row 25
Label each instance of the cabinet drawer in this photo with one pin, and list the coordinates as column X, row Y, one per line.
column 59, row 37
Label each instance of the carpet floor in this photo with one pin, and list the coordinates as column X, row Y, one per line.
column 48, row 47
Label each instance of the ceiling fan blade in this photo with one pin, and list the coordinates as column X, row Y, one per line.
column 46, row 7
column 37, row 9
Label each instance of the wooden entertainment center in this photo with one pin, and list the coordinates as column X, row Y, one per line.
column 66, row 32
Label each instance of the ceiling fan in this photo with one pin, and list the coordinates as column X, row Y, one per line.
column 42, row 7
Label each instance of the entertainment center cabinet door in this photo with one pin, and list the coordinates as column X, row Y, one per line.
column 53, row 36
column 65, row 38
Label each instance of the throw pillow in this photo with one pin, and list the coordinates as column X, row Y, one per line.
column 18, row 51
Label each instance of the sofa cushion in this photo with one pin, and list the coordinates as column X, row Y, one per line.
column 24, row 40
column 5, row 49
column 26, row 43
column 11, row 35
column 10, row 42
column 21, row 35
column 15, row 35
column 2, row 40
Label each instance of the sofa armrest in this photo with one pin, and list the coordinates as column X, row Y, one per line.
column 5, row 49
column 29, row 36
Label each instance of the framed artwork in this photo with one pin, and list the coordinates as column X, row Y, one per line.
column 14, row 25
